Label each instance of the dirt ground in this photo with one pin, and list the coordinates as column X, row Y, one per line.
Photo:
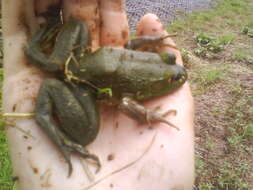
column 222, row 85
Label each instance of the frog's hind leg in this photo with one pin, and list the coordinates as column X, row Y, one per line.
column 143, row 115
column 71, row 37
column 44, row 116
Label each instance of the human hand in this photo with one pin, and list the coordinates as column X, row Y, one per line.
column 141, row 158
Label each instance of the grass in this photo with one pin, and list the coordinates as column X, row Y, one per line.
column 230, row 175
column 227, row 11
column 5, row 164
column 6, row 182
column 242, row 55
column 209, row 44
column 207, row 77
column 219, row 58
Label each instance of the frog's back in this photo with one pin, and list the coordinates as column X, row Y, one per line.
column 106, row 63
column 142, row 74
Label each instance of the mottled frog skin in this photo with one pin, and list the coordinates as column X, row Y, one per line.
column 66, row 106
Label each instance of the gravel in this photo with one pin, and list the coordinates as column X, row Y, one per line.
column 166, row 10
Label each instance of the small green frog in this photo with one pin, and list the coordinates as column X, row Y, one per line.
column 66, row 107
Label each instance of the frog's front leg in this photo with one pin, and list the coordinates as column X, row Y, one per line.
column 72, row 36
column 141, row 114
column 153, row 44
column 149, row 43
column 74, row 127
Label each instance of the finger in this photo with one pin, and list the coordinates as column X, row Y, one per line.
column 150, row 25
column 114, row 25
column 88, row 11
column 106, row 20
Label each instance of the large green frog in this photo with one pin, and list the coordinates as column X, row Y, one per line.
column 66, row 106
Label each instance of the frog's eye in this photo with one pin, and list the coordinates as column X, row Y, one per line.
column 177, row 77
column 168, row 57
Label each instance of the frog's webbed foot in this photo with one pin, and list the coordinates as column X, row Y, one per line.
column 149, row 43
column 68, row 147
column 141, row 114
column 51, row 94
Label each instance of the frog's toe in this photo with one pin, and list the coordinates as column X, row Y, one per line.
column 86, row 155
column 76, row 148
column 96, row 160
column 67, row 153
column 70, row 168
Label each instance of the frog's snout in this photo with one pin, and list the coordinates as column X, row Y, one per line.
column 179, row 76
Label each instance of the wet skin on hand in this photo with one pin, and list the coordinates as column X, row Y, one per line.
column 71, row 104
